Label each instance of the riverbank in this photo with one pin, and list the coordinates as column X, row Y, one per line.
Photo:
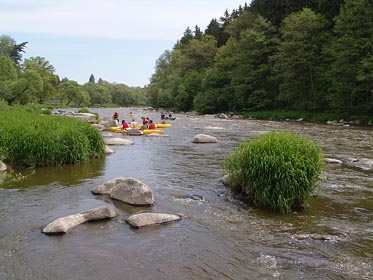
column 326, row 118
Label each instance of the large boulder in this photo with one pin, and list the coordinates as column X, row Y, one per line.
column 88, row 117
column 108, row 186
column 3, row 166
column 126, row 189
column 108, row 123
column 133, row 191
column 151, row 219
column 204, row 138
column 117, row 141
column 64, row 224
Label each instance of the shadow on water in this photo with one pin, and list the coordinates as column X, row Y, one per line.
column 65, row 175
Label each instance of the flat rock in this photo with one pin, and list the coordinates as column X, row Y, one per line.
column 117, row 141
column 64, row 224
column 204, row 138
column 332, row 160
column 88, row 117
column 151, row 219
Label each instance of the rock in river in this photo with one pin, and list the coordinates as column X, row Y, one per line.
column 64, row 224
column 204, row 138
column 118, row 141
column 128, row 190
column 151, row 219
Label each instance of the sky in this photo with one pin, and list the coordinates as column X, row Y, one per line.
column 118, row 41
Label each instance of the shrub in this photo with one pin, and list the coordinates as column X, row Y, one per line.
column 33, row 139
column 277, row 170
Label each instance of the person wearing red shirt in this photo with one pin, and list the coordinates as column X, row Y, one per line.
column 124, row 124
column 151, row 125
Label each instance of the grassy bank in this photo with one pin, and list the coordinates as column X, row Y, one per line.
column 28, row 138
column 305, row 116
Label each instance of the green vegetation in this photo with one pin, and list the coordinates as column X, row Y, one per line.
column 34, row 81
column 313, row 56
column 277, row 170
column 32, row 139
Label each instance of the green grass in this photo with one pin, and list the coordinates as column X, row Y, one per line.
column 277, row 170
column 33, row 139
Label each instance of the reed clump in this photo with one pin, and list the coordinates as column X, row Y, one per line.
column 277, row 170
column 32, row 139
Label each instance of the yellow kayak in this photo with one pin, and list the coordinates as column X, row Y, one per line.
column 162, row 125
column 116, row 129
column 150, row 131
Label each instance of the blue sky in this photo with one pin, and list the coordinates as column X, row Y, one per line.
column 116, row 40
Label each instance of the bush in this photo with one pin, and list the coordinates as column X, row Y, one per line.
column 32, row 139
column 277, row 170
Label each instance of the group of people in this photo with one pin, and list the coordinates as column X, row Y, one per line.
column 146, row 123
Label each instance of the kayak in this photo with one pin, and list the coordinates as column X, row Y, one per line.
column 162, row 125
column 117, row 129
column 171, row 119
column 150, row 131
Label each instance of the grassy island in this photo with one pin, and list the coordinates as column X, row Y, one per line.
column 277, row 170
column 28, row 139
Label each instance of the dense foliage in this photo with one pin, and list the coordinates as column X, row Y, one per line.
column 309, row 55
column 276, row 170
column 33, row 80
column 32, row 139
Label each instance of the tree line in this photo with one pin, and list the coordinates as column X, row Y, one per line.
column 33, row 80
column 303, row 55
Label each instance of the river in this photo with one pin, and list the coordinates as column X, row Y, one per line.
column 219, row 237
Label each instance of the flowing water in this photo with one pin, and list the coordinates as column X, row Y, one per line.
column 219, row 236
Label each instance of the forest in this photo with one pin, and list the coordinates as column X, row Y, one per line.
column 312, row 56
column 285, row 55
column 33, row 80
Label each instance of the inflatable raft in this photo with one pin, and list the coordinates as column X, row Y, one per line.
column 117, row 129
column 162, row 125
column 151, row 131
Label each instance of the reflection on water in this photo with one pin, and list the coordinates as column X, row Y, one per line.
column 219, row 237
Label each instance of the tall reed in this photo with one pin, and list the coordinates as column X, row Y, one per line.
column 32, row 139
column 277, row 170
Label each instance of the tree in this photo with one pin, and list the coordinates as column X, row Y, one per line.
column 92, row 79
column 188, row 35
column 26, row 87
column 8, row 75
column 216, row 30
column 9, row 48
column 46, row 72
column 350, row 52
column 198, row 34
column 296, row 61
column 251, row 77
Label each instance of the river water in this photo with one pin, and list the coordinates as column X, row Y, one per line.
column 219, row 237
